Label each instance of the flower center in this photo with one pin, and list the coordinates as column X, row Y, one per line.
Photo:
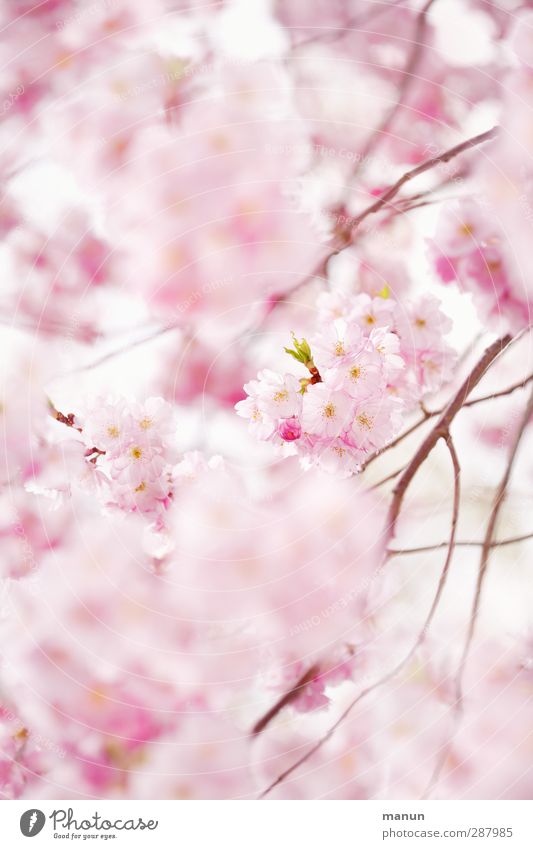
column 365, row 421
column 329, row 410
column 355, row 372
column 282, row 395
column 136, row 453
column 141, row 487
column 113, row 431
column 339, row 349
column 145, row 423
column 420, row 322
column 370, row 319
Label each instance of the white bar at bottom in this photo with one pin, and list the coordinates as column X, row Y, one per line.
column 270, row 824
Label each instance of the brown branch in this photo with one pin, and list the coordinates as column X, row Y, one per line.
column 400, row 552
column 346, row 236
column 430, row 414
column 486, row 547
column 127, row 347
column 408, row 78
column 520, row 384
column 419, row 640
column 441, row 159
column 441, row 429
column 387, row 479
column 285, row 700
column 488, row 540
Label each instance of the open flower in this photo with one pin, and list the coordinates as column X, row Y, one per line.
column 336, row 344
column 326, row 412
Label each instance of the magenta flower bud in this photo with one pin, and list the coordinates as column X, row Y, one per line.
column 290, row 429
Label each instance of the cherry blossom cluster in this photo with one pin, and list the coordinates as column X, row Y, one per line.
column 130, row 452
column 469, row 248
column 375, row 358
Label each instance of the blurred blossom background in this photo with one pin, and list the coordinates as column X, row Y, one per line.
column 204, row 593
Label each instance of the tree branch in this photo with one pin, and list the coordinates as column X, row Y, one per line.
column 429, row 414
column 441, row 159
column 400, row 552
column 441, row 430
column 419, row 640
column 488, row 540
column 486, row 547
column 408, row 77
column 285, row 700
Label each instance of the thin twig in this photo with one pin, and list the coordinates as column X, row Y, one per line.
column 400, row 552
column 441, row 159
column 407, row 80
column 157, row 333
column 486, row 548
column 418, row 642
column 430, row 414
column 285, row 700
column 441, row 429
column 333, row 33
column 387, row 479
column 346, row 238
column 489, row 536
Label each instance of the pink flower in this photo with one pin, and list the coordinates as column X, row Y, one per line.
column 461, row 228
column 374, row 423
column 338, row 458
column 326, row 412
column 423, row 324
column 289, row 429
column 335, row 345
column 262, row 425
column 370, row 313
column 278, row 396
column 361, row 374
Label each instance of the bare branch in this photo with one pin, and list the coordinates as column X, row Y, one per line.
column 489, row 536
column 429, row 414
column 418, row 642
column 285, row 700
column 441, row 429
column 400, row 552
column 346, row 238
column 407, row 80
column 486, row 547
column 442, row 158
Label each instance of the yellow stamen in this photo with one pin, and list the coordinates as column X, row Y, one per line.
column 329, row 410
column 365, row 421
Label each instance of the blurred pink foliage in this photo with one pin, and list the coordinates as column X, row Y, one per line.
column 197, row 606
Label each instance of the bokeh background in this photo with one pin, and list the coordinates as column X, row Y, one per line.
column 174, row 176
